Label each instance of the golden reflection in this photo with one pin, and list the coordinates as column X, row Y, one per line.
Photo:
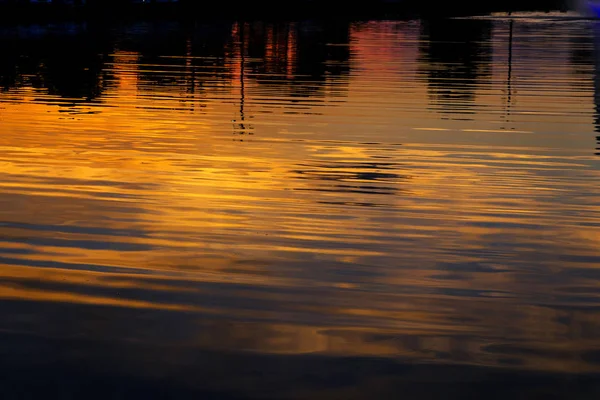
column 356, row 221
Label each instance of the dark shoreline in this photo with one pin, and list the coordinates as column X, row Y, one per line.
column 378, row 9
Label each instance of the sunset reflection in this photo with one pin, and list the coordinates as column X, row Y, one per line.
column 386, row 204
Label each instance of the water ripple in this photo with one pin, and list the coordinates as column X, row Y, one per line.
column 417, row 189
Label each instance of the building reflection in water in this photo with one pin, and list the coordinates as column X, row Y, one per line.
column 585, row 58
column 288, row 65
column 456, row 60
column 303, row 57
column 596, row 48
column 293, row 63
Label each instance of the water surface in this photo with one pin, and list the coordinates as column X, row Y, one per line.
column 292, row 210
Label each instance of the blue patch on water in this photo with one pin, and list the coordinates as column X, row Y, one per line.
column 592, row 8
column 595, row 9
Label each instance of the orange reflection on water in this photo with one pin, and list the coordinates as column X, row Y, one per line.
column 378, row 208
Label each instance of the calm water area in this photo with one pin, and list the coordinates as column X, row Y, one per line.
column 301, row 210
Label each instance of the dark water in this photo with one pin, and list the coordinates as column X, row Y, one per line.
column 382, row 209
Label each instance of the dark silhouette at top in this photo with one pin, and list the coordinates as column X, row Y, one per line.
column 455, row 58
column 585, row 52
column 68, row 64
column 194, row 60
column 593, row 57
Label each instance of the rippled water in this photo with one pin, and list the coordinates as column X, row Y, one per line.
column 403, row 191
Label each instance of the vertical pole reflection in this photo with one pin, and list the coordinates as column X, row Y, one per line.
column 241, row 127
column 190, row 73
column 509, row 59
column 509, row 77
column 242, row 72
column 596, row 33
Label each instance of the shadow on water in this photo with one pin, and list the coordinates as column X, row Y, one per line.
column 455, row 58
column 357, row 178
column 76, row 354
